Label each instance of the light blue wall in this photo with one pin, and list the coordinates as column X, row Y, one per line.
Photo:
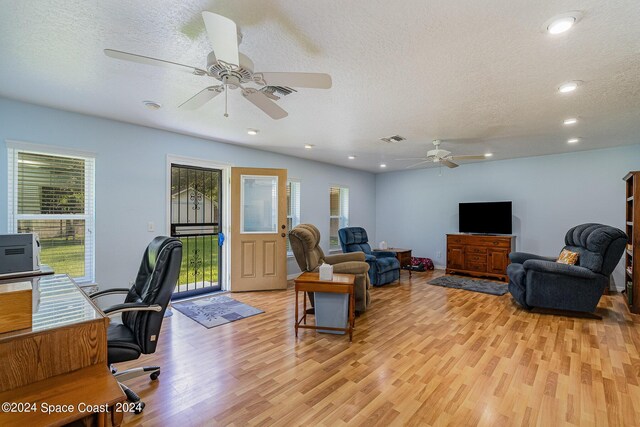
column 131, row 179
column 550, row 194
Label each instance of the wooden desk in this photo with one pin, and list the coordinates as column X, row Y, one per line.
column 341, row 284
column 90, row 392
column 65, row 348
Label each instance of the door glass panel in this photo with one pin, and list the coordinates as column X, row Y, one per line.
column 259, row 204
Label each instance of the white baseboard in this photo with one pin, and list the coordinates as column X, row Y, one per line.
column 293, row 276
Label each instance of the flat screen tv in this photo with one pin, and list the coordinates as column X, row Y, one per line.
column 485, row 217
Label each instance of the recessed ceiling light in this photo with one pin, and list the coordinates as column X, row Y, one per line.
column 252, row 131
column 308, row 146
column 573, row 140
column 383, row 165
column 152, row 105
column 569, row 86
column 488, row 154
column 570, row 121
column 351, row 157
column 562, row 23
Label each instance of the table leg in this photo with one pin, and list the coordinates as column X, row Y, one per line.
column 352, row 317
column 116, row 417
column 304, row 306
column 295, row 320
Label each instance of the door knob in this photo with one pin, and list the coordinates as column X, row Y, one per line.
column 283, row 235
column 283, row 226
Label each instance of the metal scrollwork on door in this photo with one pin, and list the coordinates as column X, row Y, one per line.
column 195, row 263
column 196, row 197
column 195, row 220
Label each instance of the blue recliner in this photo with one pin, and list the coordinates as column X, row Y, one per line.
column 537, row 281
column 384, row 267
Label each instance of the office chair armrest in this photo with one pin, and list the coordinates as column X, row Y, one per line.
column 114, row 291
column 131, row 306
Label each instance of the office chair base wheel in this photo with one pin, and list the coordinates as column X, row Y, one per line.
column 154, row 376
column 131, row 395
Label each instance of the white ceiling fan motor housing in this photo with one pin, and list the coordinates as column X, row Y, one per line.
column 234, row 77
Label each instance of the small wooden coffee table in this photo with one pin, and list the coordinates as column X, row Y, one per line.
column 341, row 284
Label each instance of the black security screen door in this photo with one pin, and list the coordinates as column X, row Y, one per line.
column 196, row 195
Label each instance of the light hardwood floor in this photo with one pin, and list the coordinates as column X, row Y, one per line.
column 422, row 355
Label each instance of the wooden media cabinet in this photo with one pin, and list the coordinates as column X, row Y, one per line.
column 479, row 255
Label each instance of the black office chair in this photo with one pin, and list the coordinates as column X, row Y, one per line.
column 142, row 311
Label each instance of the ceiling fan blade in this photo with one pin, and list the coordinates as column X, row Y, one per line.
column 412, row 158
column 448, row 163
column 310, row 80
column 201, row 98
column 261, row 101
column 417, row 164
column 223, row 36
column 141, row 59
column 468, row 157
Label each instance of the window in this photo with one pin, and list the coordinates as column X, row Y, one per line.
column 52, row 195
column 339, row 214
column 293, row 208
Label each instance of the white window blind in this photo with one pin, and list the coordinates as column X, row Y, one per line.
column 293, row 208
column 53, row 195
column 338, row 215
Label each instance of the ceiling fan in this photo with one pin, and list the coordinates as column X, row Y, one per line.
column 234, row 70
column 442, row 157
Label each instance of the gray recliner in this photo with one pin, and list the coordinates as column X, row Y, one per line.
column 537, row 281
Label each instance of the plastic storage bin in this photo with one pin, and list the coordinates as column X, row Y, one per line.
column 332, row 311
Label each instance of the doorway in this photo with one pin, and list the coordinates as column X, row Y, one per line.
column 196, row 219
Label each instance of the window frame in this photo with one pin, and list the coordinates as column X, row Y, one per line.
column 343, row 216
column 294, row 208
column 13, row 150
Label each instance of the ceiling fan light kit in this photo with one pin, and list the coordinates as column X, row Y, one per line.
column 235, row 71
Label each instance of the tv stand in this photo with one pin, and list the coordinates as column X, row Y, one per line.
column 479, row 255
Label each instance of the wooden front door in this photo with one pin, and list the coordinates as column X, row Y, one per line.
column 258, row 229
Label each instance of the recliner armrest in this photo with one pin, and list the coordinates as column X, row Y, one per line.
column 553, row 267
column 114, row 291
column 351, row 267
column 383, row 254
column 131, row 306
column 339, row 258
column 521, row 257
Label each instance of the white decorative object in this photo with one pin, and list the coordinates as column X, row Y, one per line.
column 326, row 272
column 383, row 245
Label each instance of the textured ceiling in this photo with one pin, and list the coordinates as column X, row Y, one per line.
column 481, row 75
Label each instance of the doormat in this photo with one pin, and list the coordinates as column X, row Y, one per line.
column 475, row 285
column 215, row 311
